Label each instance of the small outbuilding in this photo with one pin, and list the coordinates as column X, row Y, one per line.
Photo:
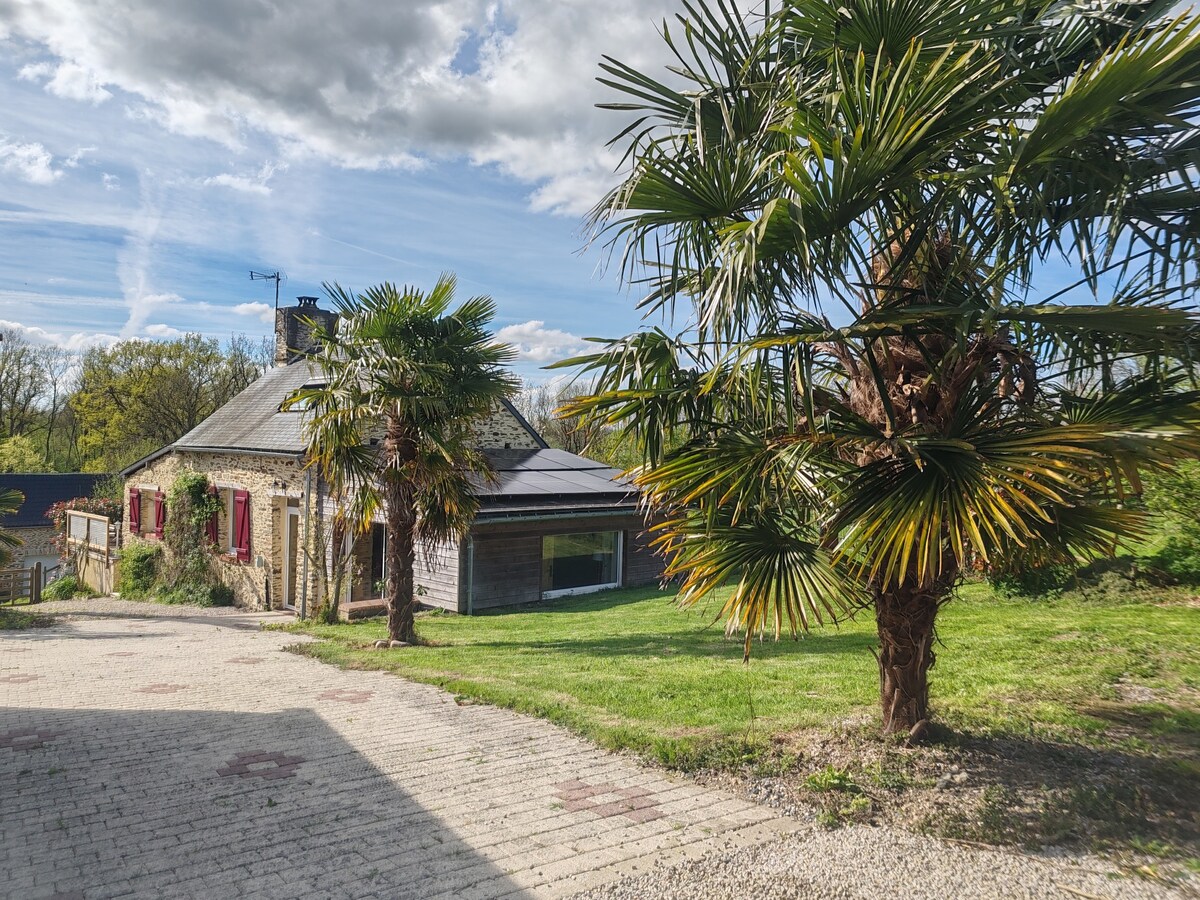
column 41, row 491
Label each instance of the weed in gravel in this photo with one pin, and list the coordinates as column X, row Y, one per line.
column 891, row 774
column 831, row 778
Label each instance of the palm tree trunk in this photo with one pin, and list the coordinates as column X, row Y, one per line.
column 904, row 618
column 401, row 544
column 401, row 554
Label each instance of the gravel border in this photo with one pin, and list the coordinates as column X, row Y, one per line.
column 865, row 863
column 114, row 607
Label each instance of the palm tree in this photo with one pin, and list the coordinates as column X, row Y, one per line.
column 391, row 427
column 850, row 207
column 10, row 502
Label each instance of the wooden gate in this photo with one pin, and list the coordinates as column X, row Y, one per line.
column 21, row 584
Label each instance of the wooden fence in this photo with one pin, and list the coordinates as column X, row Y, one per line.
column 21, row 584
column 92, row 543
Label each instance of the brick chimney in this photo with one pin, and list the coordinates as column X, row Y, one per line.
column 293, row 331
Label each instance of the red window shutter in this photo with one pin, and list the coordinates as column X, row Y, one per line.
column 212, row 527
column 135, row 511
column 241, row 524
column 160, row 513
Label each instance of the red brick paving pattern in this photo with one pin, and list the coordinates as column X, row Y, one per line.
column 261, row 764
column 345, row 695
column 162, row 688
column 607, row 800
column 26, row 738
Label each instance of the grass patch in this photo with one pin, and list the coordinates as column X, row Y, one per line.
column 16, row 619
column 1068, row 720
column 630, row 670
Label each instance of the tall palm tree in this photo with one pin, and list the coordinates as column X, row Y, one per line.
column 849, row 208
column 405, row 380
column 10, row 502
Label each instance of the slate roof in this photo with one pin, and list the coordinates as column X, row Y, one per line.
column 252, row 420
column 41, row 492
column 531, row 482
column 528, row 481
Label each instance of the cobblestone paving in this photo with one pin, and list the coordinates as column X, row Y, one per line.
column 185, row 755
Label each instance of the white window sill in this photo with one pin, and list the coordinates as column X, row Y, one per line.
column 585, row 589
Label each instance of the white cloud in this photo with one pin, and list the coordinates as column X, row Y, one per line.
column 504, row 83
column 135, row 264
column 159, row 330
column 534, row 342
column 73, row 342
column 31, row 162
column 111, row 182
column 68, row 80
column 239, row 183
column 263, row 311
column 256, row 184
column 72, row 161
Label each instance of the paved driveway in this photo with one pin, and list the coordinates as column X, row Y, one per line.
column 187, row 756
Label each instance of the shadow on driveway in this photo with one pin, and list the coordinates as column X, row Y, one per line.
column 158, row 803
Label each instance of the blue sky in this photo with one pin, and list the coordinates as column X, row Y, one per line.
column 151, row 155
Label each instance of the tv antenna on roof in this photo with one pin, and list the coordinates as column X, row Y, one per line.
column 273, row 276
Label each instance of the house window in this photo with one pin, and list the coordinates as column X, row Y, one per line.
column 233, row 529
column 378, row 556
column 578, row 563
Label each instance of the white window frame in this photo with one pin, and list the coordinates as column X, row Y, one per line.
column 588, row 588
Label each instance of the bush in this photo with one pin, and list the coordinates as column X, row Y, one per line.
column 1180, row 556
column 137, row 570
column 1175, row 499
column 1035, row 581
column 192, row 593
column 63, row 589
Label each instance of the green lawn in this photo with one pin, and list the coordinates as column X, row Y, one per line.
column 14, row 618
column 630, row 670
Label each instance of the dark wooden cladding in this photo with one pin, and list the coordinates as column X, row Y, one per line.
column 437, row 572
column 508, row 557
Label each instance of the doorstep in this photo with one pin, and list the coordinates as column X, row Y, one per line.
column 362, row 609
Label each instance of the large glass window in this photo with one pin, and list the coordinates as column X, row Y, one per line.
column 577, row 563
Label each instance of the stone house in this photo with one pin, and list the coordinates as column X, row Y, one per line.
column 551, row 523
column 41, row 491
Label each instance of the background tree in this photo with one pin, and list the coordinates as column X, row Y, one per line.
column 20, row 454
column 851, row 206
column 23, row 379
column 392, row 429
column 136, row 396
column 542, row 404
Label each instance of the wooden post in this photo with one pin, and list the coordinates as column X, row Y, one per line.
column 35, row 583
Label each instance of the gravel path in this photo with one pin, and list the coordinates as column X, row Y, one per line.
column 156, row 751
column 114, row 608
column 863, row 863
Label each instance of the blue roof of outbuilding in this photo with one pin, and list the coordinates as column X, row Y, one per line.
column 41, row 492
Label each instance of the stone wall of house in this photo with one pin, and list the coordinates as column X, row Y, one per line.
column 272, row 483
column 36, row 542
column 502, row 431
